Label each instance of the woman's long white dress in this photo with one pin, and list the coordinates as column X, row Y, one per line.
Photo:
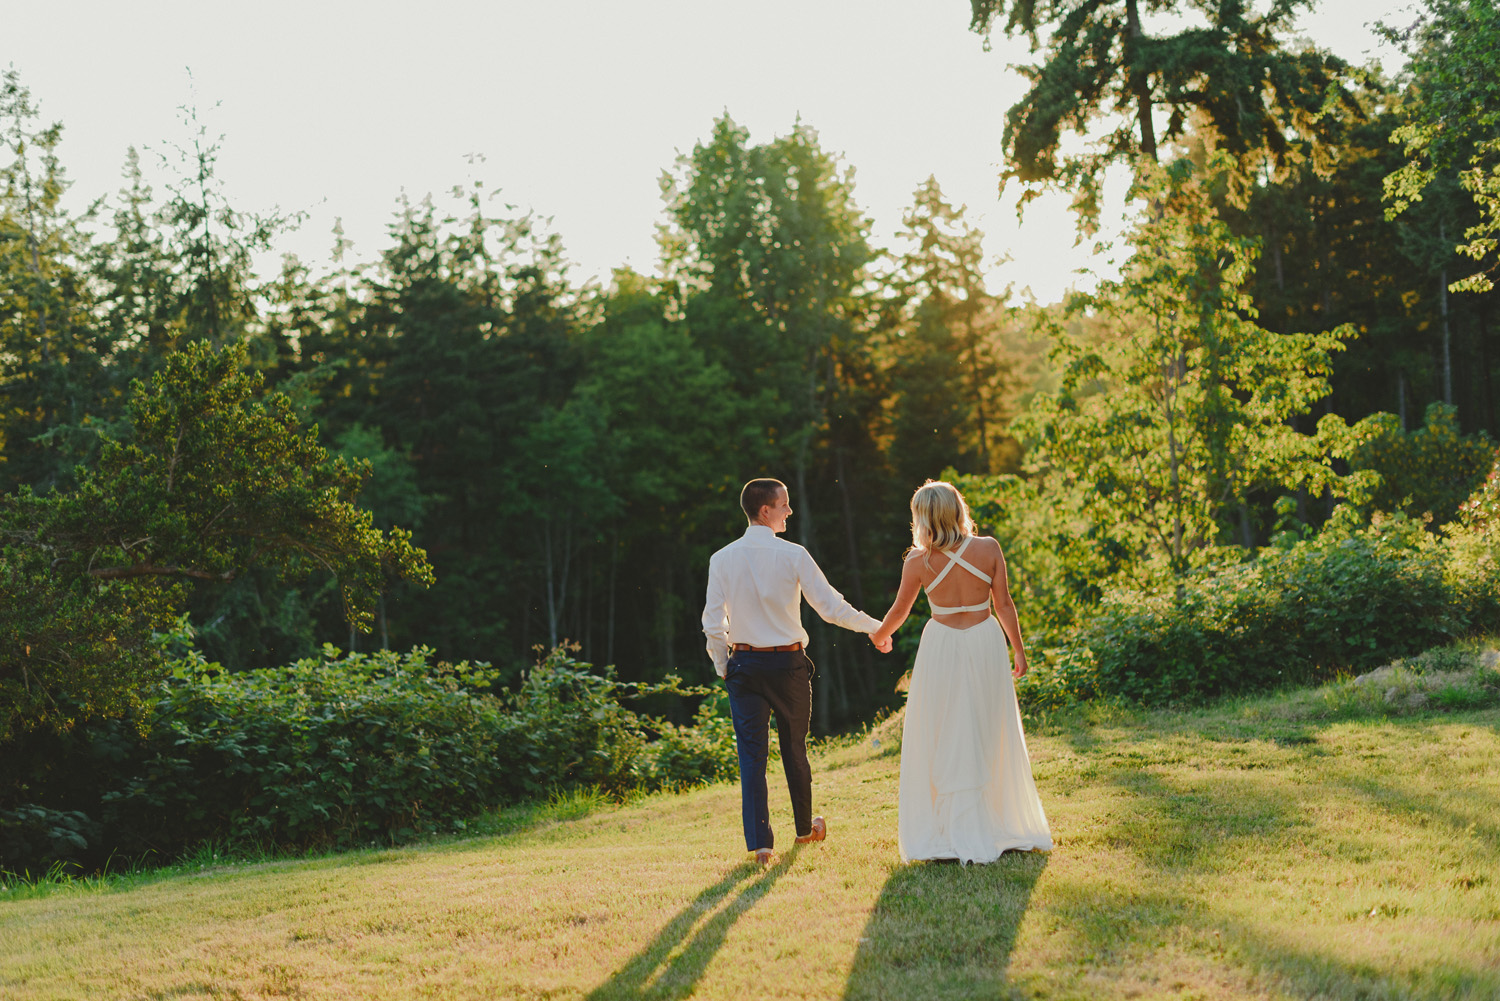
column 966, row 786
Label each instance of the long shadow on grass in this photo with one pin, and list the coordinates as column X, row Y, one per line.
column 1182, row 829
column 944, row 930
column 671, row 965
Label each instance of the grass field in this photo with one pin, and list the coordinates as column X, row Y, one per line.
column 1313, row 845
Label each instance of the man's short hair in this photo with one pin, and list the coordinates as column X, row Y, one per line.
column 757, row 494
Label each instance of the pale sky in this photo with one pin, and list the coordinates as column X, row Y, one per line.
column 335, row 107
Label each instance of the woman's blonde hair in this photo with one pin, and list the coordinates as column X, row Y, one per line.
column 939, row 517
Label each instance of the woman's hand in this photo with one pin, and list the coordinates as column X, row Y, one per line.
column 1019, row 671
column 882, row 640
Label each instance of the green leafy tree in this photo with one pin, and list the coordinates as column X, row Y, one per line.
column 1164, row 423
column 1430, row 471
column 212, row 242
column 770, row 257
column 948, row 369
column 1237, row 74
column 214, row 477
column 667, row 442
column 52, row 362
column 771, row 251
column 452, row 346
column 1453, row 118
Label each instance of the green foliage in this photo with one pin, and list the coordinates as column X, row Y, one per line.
column 1480, row 511
column 212, row 476
column 1175, row 411
column 1449, row 132
column 53, row 365
column 331, row 750
column 683, row 756
column 948, row 370
column 1258, row 96
column 1346, row 600
column 342, row 749
column 1430, row 471
column 1059, row 679
column 36, row 835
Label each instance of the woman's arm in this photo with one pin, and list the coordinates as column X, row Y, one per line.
column 911, row 583
column 1005, row 611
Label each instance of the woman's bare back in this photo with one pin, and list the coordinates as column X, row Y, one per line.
column 959, row 586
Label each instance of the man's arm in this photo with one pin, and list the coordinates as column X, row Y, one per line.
column 716, row 620
column 829, row 603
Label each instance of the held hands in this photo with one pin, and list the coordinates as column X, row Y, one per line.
column 882, row 643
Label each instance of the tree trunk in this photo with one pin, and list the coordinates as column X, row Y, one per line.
column 1401, row 397
column 666, row 625
column 385, row 636
column 1443, row 308
column 861, row 659
column 1140, row 83
column 614, row 562
column 980, row 417
column 557, row 564
column 551, row 605
column 1482, row 336
column 820, row 692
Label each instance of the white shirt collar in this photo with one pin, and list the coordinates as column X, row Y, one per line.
column 759, row 532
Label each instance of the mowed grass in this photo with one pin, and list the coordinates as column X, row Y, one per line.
column 1257, row 849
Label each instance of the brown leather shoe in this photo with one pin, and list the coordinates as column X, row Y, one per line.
column 764, row 855
column 819, row 832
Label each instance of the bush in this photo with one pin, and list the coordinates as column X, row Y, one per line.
column 34, row 838
column 1057, row 680
column 339, row 750
column 1344, row 601
column 1430, row 470
column 685, row 756
column 327, row 751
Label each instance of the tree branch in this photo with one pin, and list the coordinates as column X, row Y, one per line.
column 152, row 570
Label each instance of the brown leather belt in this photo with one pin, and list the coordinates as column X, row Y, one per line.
column 766, row 649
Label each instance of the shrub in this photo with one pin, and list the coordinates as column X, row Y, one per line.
column 329, row 750
column 1058, row 679
column 33, row 838
column 1480, row 513
column 1345, row 600
column 338, row 750
column 1430, row 470
column 685, row 756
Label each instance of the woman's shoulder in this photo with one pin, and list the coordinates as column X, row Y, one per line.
column 987, row 543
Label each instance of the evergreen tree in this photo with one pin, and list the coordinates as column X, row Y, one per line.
column 948, row 372
column 51, row 360
column 1237, row 71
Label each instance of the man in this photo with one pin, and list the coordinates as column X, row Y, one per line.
column 753, row 622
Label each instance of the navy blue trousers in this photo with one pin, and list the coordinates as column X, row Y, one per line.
column 760, row 684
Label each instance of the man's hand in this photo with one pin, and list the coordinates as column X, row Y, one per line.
column 882, row 643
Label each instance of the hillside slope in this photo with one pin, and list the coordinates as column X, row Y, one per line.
column 1252, row 850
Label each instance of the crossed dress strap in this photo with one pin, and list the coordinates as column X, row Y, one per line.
column 958, row 558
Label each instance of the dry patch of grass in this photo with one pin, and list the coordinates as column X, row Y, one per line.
column 1260, row 849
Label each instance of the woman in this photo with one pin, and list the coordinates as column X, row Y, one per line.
column 966, row 786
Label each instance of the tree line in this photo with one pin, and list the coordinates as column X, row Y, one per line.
column 566, row 456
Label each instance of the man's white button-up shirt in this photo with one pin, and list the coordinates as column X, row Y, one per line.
column 755, row 589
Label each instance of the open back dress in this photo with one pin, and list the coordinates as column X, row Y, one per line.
column 966, row 786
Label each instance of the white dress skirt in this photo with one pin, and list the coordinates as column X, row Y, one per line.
column 966, row 786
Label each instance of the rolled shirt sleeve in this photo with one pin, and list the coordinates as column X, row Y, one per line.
column 827, row 602
column 716, row 619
